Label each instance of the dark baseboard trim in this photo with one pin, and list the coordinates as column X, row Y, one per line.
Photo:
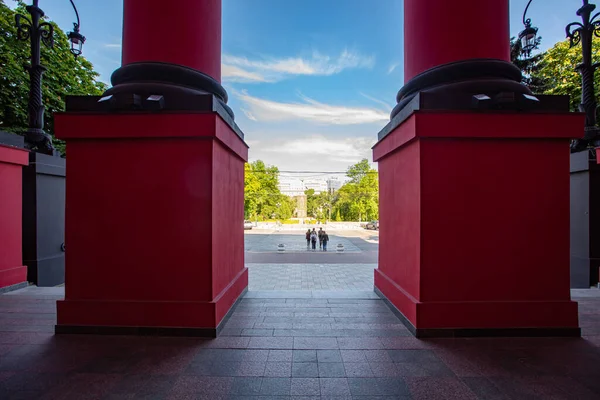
column 149, row 331
column 230, row 312
column 396, row 312
column 14, row 287
column 478, row 332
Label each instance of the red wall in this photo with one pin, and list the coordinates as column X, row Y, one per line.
column 12, row 161
column 437, row 32
column 502, row 233
column 151, row 204
column 400, row 211
column 478, row 211
column 184, row 32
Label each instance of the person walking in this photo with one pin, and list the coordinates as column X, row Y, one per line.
column 325, row 239
column 308, row 238
column 313, row 239
column 321, row 231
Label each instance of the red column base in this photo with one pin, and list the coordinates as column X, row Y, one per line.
column 476, row 239
column 172, row 318
column 154, row 224
column 480, row 319
column 13, row 274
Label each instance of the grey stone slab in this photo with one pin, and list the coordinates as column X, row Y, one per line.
column 331, row 370
column 329, row 356
column 305, row 387
column 334, row 387
column 378, row 387
column 304, row 356
column 276, row 386
column 305, row 370
column 318, row 343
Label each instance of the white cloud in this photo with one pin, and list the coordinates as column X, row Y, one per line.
column 113, row 46
column 345, row 150
column 249, row 115
column 269, row 69
column 313, row 152
column 381, row 102
column 309, row 110
column 393, row 67
column 231, row 73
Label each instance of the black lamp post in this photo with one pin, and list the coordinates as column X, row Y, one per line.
column 41, row 32
column 577, row 33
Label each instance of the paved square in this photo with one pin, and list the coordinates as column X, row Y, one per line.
column 353, row 277
column 293, row 242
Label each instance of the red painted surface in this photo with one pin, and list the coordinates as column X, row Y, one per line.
column 153, row 237
column 440, row 31
column 478, row 206
column 12, row 161
column 184, row 32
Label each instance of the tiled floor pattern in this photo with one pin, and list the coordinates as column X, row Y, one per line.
column 293, row 242
column 310, row 276
column 295, row 349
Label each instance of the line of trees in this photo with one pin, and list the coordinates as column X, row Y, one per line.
column 356, row 200
column 553, row 71
column 65, row 75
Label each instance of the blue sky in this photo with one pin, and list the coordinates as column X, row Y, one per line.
column 312, row 81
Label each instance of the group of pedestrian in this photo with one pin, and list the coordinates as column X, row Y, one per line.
column 313, row 236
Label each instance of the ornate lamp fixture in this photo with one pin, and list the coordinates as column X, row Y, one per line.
column 41, row 32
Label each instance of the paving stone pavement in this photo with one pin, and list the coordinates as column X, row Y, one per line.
column 292, row 349
column 353, row 277
column 293, row 242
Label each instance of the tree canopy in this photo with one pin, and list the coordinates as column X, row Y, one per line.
column 65, row 75
column 358, row 199
column 557, row 70
column 529, row 66
column 262, row 198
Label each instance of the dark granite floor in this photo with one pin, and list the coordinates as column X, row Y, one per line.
column 294, row 348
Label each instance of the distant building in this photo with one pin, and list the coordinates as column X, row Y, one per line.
column 291, row 187
column 333, row 185
column 318, row 185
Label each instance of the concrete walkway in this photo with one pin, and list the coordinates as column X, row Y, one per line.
column 311, row 276
column 296, row 347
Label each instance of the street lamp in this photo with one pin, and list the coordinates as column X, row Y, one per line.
column 577, row 33
column 41, row 32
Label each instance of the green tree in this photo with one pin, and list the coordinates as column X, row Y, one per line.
column 557, row 69
column 262, row 197
column 358, row 199
column 65, row 75
column 529, row 66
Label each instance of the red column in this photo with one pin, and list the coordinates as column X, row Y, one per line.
column 183, row 32
column 12, row 270
column 474, row 206
column 155, row 199
column 437, row 32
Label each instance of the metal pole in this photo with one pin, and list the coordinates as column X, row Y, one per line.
column 584, row 32
column 35, row 136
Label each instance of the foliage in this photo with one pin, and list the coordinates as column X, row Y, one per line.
column 558, row 70
column 358, row 199
column 528, row 66
column 318, row 205
column 262, row 198
column 65, row 75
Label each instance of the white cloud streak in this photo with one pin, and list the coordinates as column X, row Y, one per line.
column 309, row 110
column 116, row 46
column 393, row 67
column 313, row 151
column 269, row 69
column 385, row 105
